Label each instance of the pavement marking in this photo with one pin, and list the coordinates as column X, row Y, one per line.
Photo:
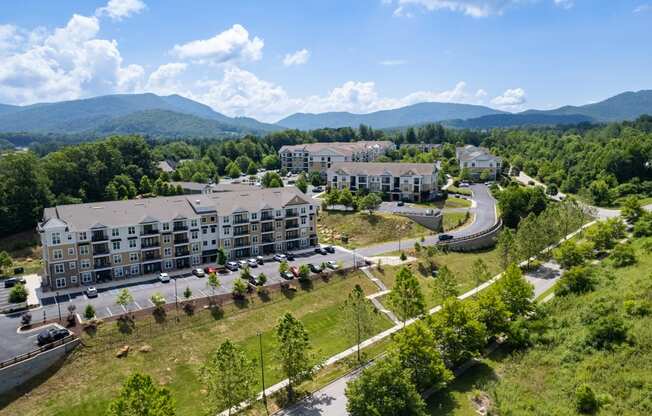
column 109, row 311
column 137, row 305
column 150, row 301
column 203, row 293
column 124, row 309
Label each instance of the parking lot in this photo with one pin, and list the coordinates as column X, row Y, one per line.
column 13, row 343
column 105, row 303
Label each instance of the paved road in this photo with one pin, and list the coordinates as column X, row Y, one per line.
column 485, row 217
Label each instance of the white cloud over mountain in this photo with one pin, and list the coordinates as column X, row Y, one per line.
column 511, row 99
column 232, row 45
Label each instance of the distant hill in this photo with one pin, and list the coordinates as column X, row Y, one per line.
column 404, row 116
column 518, row 120
column 625, row 106
column 91, row 114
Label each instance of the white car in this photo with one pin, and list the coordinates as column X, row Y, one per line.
column 164, row 277
column 280, row 257
column 332, row 265
column 252, row 263
column 199, row 272
column 233, row 266
column 242, row 263
column 91, row 292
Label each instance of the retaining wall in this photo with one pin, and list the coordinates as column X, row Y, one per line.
column 479, row 241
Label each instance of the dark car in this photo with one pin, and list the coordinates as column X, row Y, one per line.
column 400, row 203
column 289, row 256
column 287, row 275
column 13, row 281
column 51, row 335
column 315, row 268
column 445, row 237
column 321, row 250
column 330, row 249
column 318, row 189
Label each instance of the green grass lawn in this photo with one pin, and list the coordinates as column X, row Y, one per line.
column 450, row 202
column 453, row 220
column 363, row 229
column 25, row 251
column 458, row 190
column 92, row 375
column 542, row 380
column 459, row 263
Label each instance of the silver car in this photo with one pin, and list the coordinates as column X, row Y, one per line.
column 252, row 263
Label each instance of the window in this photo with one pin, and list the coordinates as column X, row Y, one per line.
column 57, row 254
column 56, row 238
column 166, row 226
column 254, row 227
column 227, row 243
column 254, row 239
column 303, row 221
column 135, row 269
column 82, row 235
column 254, row 215
column 85, row 264
column 115, row 232
column 167, row 252
column 193, row 223
column 73, row 279
column 133, row 243
column 213, row 229
column 87, row 277
column 213, row 242
column 58, row 268
column 195, row 248
column 204, row 230
column 279, row 212
column 84, row 250
column 131, row 230
column 72, row 265
column 133, row 257
column 226, row 219
column 205, row 243
column 117, row 259
column 116, row 245
column 168, row 264
column 194, row 235
column 118, row 272
column 71, row 251
column 167, row 238
column 303, row 210
column 227, row 230
column 60, row 282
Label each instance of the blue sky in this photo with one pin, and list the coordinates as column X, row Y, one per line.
column 270, row 59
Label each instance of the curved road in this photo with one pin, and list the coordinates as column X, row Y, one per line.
column 485, row 217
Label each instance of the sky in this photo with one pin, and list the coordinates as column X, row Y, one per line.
column 269, row 59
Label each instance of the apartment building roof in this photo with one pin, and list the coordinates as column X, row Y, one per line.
column 82, row 217
column 470, row 152
column 340, row 148
column 382, row 168
column 220, row 187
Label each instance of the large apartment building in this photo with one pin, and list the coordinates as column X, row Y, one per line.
column 478, row 160
column 97, row 242
column 319, row 157
column 397, row 181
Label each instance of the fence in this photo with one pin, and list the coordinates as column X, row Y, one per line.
column 36, row 352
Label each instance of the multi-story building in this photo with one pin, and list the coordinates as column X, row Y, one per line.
column 396, row 181
column 96, row 242
column 319, row 157
column 478, row 160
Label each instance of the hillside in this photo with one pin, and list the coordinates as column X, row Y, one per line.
column 404, row 116
column 518, row 120
column 88, row 115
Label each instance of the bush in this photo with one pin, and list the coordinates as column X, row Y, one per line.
column 623, row 255
column 568, row 254
column 585, row 400
column 403, row 256
column 89, row 312
column 636, row 308
column 577, row 280
column 643, row 227
column 18, row 294
column 605, row 331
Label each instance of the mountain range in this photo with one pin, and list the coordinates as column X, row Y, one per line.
column 175, row 116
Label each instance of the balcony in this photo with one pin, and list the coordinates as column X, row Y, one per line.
column 268, row 238
column 181, row 253
column 267, row 228
column 145, row 244
column 99, row 236
column 291, row 224
column 149, row 231
column 291, row 213
column 102, row 264
column 240, row 219
column 291, row 235
column 266, row 216
column 240, row 231
column 151, row 256
column 179, row 227
column 241, row 242
column 101, row 250
column 181, row 239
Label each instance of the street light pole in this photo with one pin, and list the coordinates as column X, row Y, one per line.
column 176, row 298
column 58, row 306
column 262, row 369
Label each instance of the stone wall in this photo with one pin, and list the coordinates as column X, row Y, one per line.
column 479, row 241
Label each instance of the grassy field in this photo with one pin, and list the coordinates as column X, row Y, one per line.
column 92, row 375
column 542, row 380
column 458, row 190
column 459, row 263
column 25, row 251
column 454, row 220
column 450, row 202
column 363, row 229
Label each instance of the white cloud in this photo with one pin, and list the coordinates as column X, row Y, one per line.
column 473, row 8
column 511, row 99
column 299, row 57
column 566, row 4
column 643, row 8
column 120, row 9
column 164, row 80
column 67, row 63
column 393, row 62
column 232, row 45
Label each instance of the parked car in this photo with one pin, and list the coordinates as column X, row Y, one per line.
column 13, row 281
column 295, row 271
column 332, row 265
column 213, row 269
column 321, row 250
column 164, row 277
column 315, row 268
column 252, row 263
column 318, row 189
column 287, row 275
column 91, row 292
column 330, row 249
column 233, row 266
column 260, row 260
column 289, row 255
column 400, row 203
column 51, row 335
column 199, row 272
column 445, row 237
column 280, row 257
column 242, row 263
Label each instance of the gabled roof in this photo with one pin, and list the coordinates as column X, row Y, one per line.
column 382, row 169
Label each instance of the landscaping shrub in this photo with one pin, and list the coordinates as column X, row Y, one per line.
column 606, row 331
column 585, row 400
column 18, row 294
column 623, row 255
column 636, row 307
column 578, row 279
column 89, row 312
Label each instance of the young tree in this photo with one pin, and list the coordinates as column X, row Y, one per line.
column 492, row 311
column 507, row 249
column 221, row 257
column 89, row 312
column 416, row 350
column 145, row 185
column 18, row 294
column 445, row 284
column 283, row 267
column 406, row 297
column 631, row 209
column 294, row 352
column 124, row 299
column 230, row 377
column 384, row 388
column 360, row 317
column 239, row 288
column 301, row 183
column 140, row 396
column 345, row 198
column 187, row 294
column 370, row 202
column 459, row 334
column 5, row 260
column 568, row 254
column 213, row 283
column 304, row 272
column 579, row 279
column 158, row 300
column 479, row 272
column 515, row 292
column 529, row 238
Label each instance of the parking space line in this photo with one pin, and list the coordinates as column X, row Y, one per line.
column 137, row 305
column 150, row 301
column 123, row 308
column 109, row 311
column 203, row 293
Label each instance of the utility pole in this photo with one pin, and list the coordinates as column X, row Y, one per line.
column 262, row 369
column 58, row 305
column 176, row 298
